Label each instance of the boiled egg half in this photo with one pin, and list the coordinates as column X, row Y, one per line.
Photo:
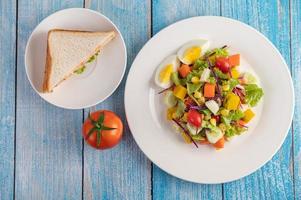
column 164, row 71
column 192, row 50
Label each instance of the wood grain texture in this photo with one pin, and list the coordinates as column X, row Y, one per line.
column 123, row 172
column 164, row 185
column 7, row 96
column 48, row 139
column 274, row 180
column 296, row 73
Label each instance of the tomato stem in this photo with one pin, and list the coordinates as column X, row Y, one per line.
column 98, row 126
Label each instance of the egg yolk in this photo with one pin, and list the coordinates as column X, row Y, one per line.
column 192, row 54
column 166, row 73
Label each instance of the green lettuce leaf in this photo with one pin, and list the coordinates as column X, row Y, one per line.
column 175, row 78
column 218, row 52
column 180, row 109
column 220, row 74
column 200, row 64
column 253, row 94
column 232, row 83
column 191, row 88
column 236, row 115
column 206, row 112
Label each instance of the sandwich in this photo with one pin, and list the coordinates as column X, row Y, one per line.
column 68, row 51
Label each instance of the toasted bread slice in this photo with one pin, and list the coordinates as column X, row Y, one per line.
column 68, row 50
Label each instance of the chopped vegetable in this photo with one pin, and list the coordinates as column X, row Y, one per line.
column 169, row 99
column 253, row 94
column 195, row 80
column 213, row 121
column 234, row 72
column 220, row 143
column 236, row 115
column 218, row 52
column 180, row 92
column 197, row 94
column 214, row 135
column 212, row 106
column 191, row 88
column 205, row 75
column 224, row 112
column 232, row 101
column 193, row 130
column 194, row 118
column 234, row 60
column 249, row 78
column 232, row 83
column 200, row 64
column 184, row 70
column 249, row 114
column 170, row 113
column 209, row 90
column 223, row 64
column 198, row 137
column 175, row 78
column 226, row 87
column 210, row 100
column 180, row 110
column 220, row 74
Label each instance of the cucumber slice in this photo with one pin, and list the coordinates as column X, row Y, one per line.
column 192, row 129
column 169, row 99
column 214, row 135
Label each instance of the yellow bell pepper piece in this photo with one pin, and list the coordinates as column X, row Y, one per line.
column 170, row 113
column 249, row 114
column 232, row 102
column 235, row 73
column 180, row 92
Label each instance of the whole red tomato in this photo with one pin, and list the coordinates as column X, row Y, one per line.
column 102, row 129
column 194, row 118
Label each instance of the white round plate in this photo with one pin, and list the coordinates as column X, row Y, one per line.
column 146, row 113
column 102, row 76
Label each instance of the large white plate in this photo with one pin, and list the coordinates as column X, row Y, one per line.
column 102, row 76
column 244, row 154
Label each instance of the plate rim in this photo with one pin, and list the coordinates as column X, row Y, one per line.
column 292, row 105
column 98, row 101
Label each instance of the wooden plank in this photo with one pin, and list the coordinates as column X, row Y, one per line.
column 48, row 139
column 123, row 172
column 296, row 73
column 7, row 96
column 274, row 180
column 164, row 185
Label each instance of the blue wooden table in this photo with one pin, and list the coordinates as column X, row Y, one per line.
column 42, row 154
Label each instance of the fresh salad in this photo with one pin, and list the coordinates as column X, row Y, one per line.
column 208, row 97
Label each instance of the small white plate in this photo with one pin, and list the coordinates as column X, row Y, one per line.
column 102, row 76
column 244, row 154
